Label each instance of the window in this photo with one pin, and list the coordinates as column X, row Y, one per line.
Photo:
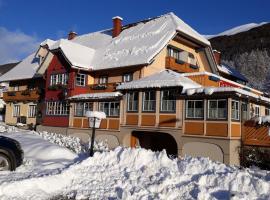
column 59, row 79
column 257, row 111
column 191, row 59
column 194, row 109
column 110, row 108
column 16, row 88
column 16, row 111
column 217, row 109
column 127, row 77
column 80, row 79
column 267, row 111
column 132, row 101
column 82, row 107
column 235, row 110
column 103, row 80
column 57, row 108
column 32, row 111
column 244, row 111
column 168, row 100
column 149, row 101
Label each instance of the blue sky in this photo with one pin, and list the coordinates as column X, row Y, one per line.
column 23, row 24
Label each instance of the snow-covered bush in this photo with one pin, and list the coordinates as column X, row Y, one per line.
column 73, row 143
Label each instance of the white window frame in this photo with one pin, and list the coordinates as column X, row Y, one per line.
column 85, row 107
column 32, row 111
column 132, row 104
column 57, row 108
column 80, row 79
column 16, row 110
column 127, row 77
column 217, row 116
column 235, row 114
column 103, row 80
column 268, row 110
column 113, row 109
column 149, row 105
column 59, row 79
column 244, row 113
column 194, row 110
column 168, row 105
column 257, row 108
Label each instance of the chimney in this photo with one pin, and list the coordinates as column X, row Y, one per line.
column 117, row 26
column 217, row 55
column 72, row 35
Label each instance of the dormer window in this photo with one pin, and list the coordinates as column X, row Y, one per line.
column 80, row 79
column 127, row 77
column 103, row 80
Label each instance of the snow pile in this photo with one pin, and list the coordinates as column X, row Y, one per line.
column 141, row 174
column 164, row 78
column 101, row 95
column 263, row 120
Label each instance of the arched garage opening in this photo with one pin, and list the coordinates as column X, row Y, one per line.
column 156, row 141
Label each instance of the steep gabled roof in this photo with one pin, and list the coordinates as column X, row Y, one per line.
column 24, row 70
column 137, row 44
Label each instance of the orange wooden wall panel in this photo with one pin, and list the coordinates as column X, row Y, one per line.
column 77, row 122
column 103, row 124
column 85, row 123
column 148, row 120
column 235, row 130
column 113, row 124
column 132, row 119
column 217, row 129
column 194, row 128
column 167, row 120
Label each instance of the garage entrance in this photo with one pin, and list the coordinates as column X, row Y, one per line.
column 156, row 141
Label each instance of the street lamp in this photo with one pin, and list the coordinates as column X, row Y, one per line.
column 94, row 118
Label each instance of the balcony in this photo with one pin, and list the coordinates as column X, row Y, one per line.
column 180, row 66
column 109, row 87
column 25, row 95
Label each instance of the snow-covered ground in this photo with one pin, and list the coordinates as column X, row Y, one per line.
column 125, row 173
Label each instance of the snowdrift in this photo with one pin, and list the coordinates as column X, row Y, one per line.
column 127, row 173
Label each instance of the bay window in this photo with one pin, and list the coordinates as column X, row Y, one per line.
column 80, row 79
column 217, row 109
column 110, row 108
column 195, row 109
column 167, row 100
column 149, row 101
column 235, row 110
column 82, row 107
column 57, row 108
column 132, row 101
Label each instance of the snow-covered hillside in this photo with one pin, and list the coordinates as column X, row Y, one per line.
column 127, row 173
column 237, row 29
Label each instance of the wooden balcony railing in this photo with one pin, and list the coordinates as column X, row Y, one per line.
column 24, row 95
column 180, row 66
column 109, row 87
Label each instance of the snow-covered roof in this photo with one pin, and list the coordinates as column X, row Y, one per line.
column 136, row 44
column 24, row 70
column 101, row 95
column 48, row 42
column 78, row 55
column 231, row 71
column 165, row 78
column 221, row 78
column 211, row 90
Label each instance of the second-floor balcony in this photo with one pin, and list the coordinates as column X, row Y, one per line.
column 24, row 95
column 107, row 87
column 180, row 66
